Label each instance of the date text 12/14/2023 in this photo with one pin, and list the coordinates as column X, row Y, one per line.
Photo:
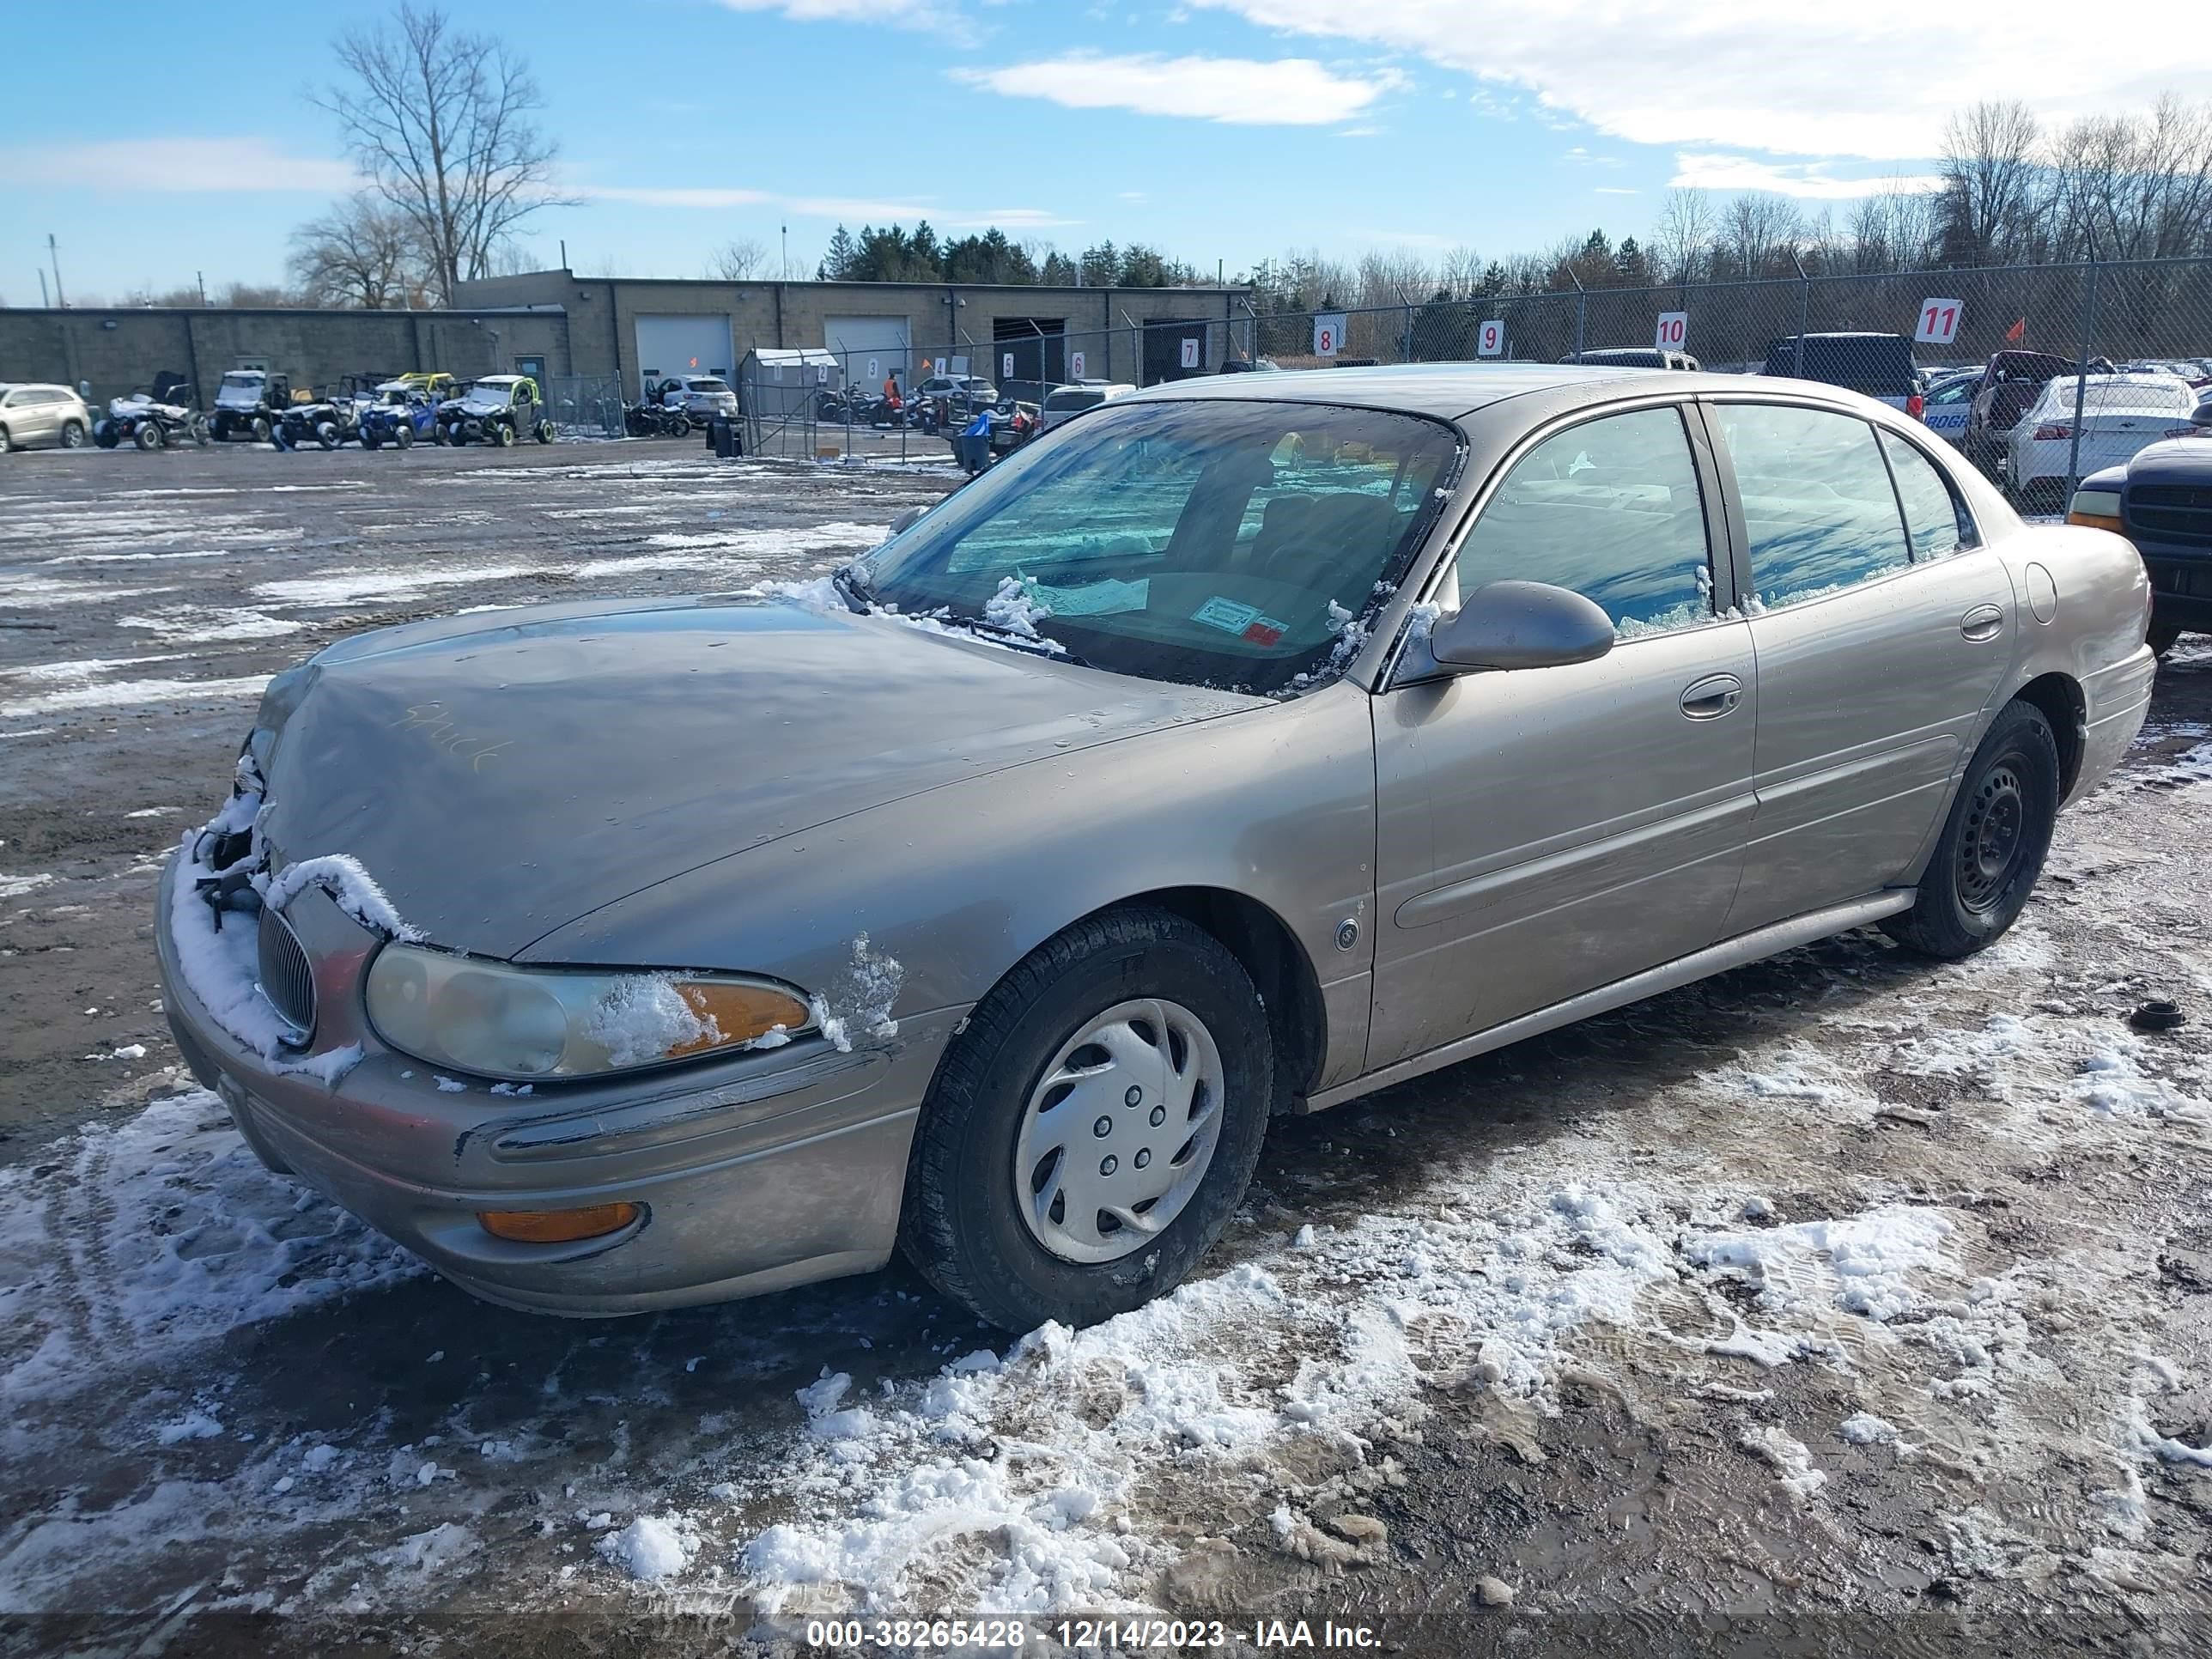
column 1085, row 1635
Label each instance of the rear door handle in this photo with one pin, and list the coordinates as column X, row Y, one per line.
column 1710, row 698
column 1984, row 621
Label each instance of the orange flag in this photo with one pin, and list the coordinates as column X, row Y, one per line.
column 2017, row 332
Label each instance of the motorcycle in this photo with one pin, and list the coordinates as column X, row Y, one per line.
column 647, row 419
column 152, row 420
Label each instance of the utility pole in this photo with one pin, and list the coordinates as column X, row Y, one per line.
column 46, row 300
column 200, row 277
column 784, row 231
column 54, row 253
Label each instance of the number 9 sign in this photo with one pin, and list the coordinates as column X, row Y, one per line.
column 1490, row 338
column 1673, row 330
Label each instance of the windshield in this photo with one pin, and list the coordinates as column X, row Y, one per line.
column 1218, row 542
column 487, row 396
column 240, row 389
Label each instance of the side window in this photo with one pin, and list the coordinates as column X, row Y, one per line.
column 1610, row 508
column 1817, row 507
column 1935, row 518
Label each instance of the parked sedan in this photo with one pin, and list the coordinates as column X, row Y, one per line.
column 30, row 414
column 1239, row 749
column 2119, row 414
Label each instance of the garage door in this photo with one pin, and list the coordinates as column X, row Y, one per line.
column 871, row 347
column 684, row 345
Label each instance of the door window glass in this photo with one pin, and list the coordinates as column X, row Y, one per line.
column 1935, row 518
column 1611, row 509
column 1817, row 507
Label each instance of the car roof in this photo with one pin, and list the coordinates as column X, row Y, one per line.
column 1447, row 391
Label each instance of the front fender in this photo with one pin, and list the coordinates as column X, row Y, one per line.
column 1275, row 804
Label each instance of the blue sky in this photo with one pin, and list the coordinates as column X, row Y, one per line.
column 159, row 140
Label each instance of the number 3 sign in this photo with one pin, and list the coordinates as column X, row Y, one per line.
column 1673, row 330
column 1490, row 339
column 1939, row 322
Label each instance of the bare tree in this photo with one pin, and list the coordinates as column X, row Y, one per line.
column 361, row 252
column 1994, row 185
column 735, row 262
column 440, row 122
column 2135, row 187
column 1683, row 238
column 1462, row 272
column 1759, row 233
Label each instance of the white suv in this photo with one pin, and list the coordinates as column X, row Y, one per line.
column 42, row 414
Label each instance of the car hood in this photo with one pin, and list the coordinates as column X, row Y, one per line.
column 2171, row 460
column 501, row 774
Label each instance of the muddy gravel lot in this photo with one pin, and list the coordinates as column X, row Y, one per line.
column 1841, row 1305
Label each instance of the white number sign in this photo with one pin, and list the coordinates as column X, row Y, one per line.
column 1939, row 322
column 1074, row 365
column 1190, row 353
column 1005, row 365
column 1329, row 334
column 875, row 369
column 1673, row 330
column 1490, row 338
column 821, row 374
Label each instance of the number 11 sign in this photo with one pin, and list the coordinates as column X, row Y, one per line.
column 1939, row 322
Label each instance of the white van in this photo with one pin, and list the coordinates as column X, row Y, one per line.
column 1063, row 402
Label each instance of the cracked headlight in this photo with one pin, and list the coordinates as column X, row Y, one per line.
column 523, row 1024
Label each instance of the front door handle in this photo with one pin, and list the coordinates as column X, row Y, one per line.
column 1710, row 698
column 1984, row 621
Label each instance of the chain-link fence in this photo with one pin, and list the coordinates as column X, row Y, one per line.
column 1974, row 352
column 584, row 406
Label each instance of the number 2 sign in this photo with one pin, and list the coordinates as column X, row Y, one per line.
column 1490, row 338
column 1939, row 322
column 1673, row 331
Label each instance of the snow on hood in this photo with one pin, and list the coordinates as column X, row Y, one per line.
column 504, row 774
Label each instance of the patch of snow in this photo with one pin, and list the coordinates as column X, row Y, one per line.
column 1865, row 1429
column 1016, row 606
column 119, row 694
column 17, row 886
column 864, row 1001
column 652, row 1546
column 1791, row 1461
column 1862, row 1264
column 643, row 1018
column 192, row 1425
column 346, row 881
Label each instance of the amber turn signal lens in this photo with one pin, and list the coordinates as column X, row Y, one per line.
column 2095, row 521
column 738, row 1013
column 556, row 1226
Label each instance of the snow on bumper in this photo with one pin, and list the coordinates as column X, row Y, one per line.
column 753, row 1173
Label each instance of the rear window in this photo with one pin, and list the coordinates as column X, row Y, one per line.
column 708, row 385
column 2099, row 395
column 1880, row 365
column 1074, row 397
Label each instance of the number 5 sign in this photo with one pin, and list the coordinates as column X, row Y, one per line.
column 1939, row 322
column 1490, row 338
column 1329, row 334
column 1673, row 330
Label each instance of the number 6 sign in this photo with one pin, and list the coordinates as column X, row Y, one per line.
column 1490, row 338
column 1939, row 322
column 1673, row 330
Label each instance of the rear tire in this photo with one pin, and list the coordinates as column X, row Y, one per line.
column 1994, row 843
column 545, row 431
column 966, row 1222
column 326, row 434
column 72, row 434
column 149, row 436
column 105, row 435
column 7, row 443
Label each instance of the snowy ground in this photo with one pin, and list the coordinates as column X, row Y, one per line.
column 1841, row 1305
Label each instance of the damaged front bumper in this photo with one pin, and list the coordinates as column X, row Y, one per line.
column 751, row 1173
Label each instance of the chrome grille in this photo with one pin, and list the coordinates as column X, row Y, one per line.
column 287, row 979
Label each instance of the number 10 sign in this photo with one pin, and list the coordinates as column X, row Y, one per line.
column 1939, row 322
column 1673, row 330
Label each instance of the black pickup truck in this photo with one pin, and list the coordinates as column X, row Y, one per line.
column 2162, row 501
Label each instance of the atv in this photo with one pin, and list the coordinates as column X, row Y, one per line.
column 327, row 424
column 154, row 419
column 249, row 403
column 404, row 410
column 500, row 410
column 649, row 419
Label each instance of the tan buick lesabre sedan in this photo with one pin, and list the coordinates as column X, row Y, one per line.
column 1234, row 749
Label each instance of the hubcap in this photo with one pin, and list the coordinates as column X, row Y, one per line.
column 1994, row 839
column 1119, row 1131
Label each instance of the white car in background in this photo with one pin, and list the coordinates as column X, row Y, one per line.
column 41, row 414
column 1063, row 403
column 2120, row 415
column 1947, row 403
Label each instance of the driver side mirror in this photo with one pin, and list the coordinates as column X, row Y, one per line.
column 1515, row 624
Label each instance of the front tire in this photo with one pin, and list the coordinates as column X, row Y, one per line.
column 261, row 429
column 1017, row 1206
column 1994, row 843
column 405, row 437
column 149, row 436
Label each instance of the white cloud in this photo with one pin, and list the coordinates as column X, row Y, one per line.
column 176, row 166
column 853, row 210
column 934, row 14
column 1875, row 82
column 1239, row 91
column 1695, row 171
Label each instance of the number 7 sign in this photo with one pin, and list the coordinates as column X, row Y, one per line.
column 1939, row 322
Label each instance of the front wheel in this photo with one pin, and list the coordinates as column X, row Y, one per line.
column 261, row 429
column 1993, row 844
column 501, row 435
column 1090, row 1134
column 439, row 436
column 327, row 436
column 149, row 436
column 405, row 437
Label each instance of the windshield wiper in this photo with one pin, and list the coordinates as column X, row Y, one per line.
column 1036, row 645
column 853, row 586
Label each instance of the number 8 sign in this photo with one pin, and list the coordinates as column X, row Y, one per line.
column 1939, row 322
column 1673, row 331
column 1490, row 339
